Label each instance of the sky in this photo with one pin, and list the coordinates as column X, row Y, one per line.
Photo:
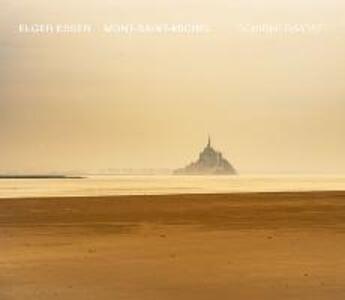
column 272, row 103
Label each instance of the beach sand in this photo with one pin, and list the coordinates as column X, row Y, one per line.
column 185, row 247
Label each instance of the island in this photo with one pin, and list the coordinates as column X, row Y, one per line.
column 210, row 162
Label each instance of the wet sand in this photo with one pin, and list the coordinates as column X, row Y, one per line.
column 234, row 246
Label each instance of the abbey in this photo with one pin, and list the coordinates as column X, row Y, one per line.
column 210, row 162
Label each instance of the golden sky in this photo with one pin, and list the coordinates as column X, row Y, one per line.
column 273, row 103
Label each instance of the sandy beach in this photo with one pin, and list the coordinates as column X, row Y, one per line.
column 220, row 246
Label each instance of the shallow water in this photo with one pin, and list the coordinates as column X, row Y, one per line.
column 168, row 184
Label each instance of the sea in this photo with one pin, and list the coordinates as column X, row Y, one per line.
column 107, row 185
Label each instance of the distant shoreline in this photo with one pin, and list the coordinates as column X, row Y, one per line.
column 39, row 177
column 262, row 195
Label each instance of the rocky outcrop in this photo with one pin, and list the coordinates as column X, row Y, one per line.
column 210, row 162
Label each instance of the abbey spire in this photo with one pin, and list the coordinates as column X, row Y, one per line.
column 209, row 142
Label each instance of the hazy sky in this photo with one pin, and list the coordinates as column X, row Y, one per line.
column 272, row 103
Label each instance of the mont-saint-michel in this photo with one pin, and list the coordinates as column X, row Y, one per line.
column 210, row 162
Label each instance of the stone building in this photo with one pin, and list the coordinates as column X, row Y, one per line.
column 210, row 162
